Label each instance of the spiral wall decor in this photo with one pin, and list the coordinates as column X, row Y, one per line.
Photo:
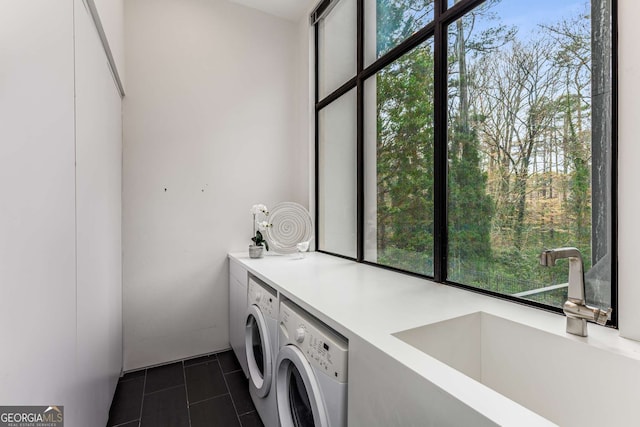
column 290, row 225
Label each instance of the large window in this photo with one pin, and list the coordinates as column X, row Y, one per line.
column 457, row 139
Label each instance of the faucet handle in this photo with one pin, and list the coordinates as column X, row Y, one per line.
column 547, row 259
column 602, row 316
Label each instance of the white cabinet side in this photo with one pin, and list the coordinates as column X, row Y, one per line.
column 98, row 222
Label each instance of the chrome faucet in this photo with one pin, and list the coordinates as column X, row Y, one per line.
column 575, row 308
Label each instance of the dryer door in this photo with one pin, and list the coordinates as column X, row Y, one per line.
column 258, row 348
column 300, row 402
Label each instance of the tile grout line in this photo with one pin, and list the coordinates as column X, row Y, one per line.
column 199, row 363
column 248, row 412
column 235, row 409
column 128, row 380
column 186, row 390
column 126, row 421
column 210, row 398
column 166, row 388
column 225, row 377
column 214, row 356
column 144, row 387
column 124, row 424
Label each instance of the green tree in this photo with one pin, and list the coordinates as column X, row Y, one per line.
column 405, row 161
column 398, row 19
column 470, row 208
column 405, row 140
column 573, row 56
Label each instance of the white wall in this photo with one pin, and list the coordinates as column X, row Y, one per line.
column 628, row 170
column 211, row 115
column 60, row 251
column 37, row 207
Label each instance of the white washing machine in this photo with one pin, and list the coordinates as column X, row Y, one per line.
column 261, row 343
column 311, row 371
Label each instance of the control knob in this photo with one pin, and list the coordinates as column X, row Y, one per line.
column 300, row 333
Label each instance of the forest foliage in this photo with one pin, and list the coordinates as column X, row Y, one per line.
column 519, row 147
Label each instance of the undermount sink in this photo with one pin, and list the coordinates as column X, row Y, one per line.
column 564, row 380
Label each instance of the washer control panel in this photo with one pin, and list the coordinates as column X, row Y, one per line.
column 322, row 347
column 264, row 297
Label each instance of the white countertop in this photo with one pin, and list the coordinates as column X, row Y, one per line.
column 372, row 303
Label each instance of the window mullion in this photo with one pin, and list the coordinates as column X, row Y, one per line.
column 350, row 84
column 614, row 163
column 360, row 133
column 440, row 145
column 316, row 142
column 458, row 10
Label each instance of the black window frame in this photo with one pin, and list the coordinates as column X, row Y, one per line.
column 437, row 29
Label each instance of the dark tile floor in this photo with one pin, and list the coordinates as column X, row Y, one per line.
column 205, row 391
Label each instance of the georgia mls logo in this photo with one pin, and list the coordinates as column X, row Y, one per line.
column 55, row 411
column 31, row 416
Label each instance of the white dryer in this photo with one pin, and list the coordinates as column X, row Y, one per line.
column 261, row 343
column 311, row 371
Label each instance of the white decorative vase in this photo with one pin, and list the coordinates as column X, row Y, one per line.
column 255, row 251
